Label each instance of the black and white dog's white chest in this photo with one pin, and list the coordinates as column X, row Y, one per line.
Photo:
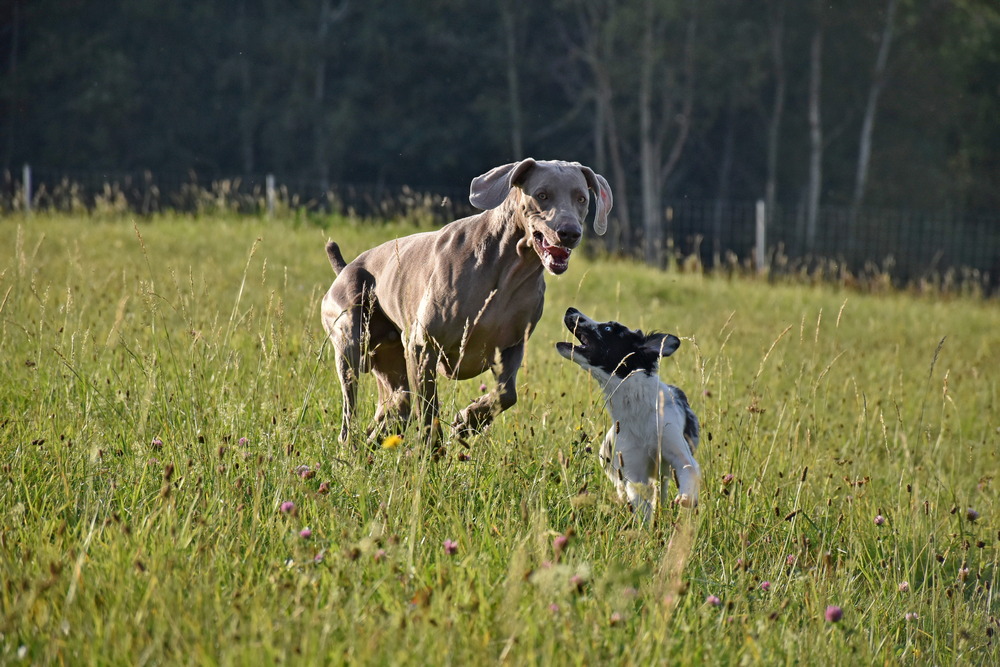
column 641, row 405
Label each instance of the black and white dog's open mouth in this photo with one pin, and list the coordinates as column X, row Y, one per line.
column 555, row 258
column 575, row 323
column 568, row 349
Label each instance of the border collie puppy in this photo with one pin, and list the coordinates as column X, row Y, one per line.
column 655, row 432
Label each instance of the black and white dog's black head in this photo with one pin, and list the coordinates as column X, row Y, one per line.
column 612, row 349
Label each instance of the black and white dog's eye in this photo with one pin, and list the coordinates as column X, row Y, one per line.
column 606, row 328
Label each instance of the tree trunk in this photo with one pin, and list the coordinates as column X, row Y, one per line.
column 596, row 53
column 725, row 174
column 683, row 117
column 777, row 30
column 868, row 121
column 321, row 144
column 654, row 167
column 247, row 113
column 815, row 137
column 509, row 19
column 649, row 159
column 12, row 99
column 617, row 167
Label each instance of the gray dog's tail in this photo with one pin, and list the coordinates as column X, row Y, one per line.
column 336, row 259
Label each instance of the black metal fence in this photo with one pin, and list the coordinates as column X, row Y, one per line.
column 146, row 193
column 908, row 245
column 905, row 245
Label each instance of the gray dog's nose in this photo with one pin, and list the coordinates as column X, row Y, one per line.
column 569, row 236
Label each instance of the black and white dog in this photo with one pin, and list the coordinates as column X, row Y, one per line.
column 654, row 431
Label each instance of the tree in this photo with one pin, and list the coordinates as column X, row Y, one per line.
column 513, row 42
column 868, row 120
column 815, row 185
column 776, row 37
column 673, row 84
column 597, row 31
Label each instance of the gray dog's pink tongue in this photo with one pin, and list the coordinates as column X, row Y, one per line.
column 556, row 257
column 558, row 253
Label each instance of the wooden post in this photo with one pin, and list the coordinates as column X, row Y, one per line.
column 269, row 188
column 26, row 185
column 760, row 248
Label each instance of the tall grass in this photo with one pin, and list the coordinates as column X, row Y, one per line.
column 171, row 489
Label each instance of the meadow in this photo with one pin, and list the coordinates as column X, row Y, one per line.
column 172, row 491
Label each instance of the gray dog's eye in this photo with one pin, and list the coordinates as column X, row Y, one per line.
column 542, row 196
column 581, row 199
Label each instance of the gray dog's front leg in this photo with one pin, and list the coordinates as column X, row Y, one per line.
column 478, row 415
column 421, row 365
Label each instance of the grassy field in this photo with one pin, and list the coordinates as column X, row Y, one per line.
column 171, row 488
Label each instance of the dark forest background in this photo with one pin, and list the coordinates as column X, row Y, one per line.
column 857, row 104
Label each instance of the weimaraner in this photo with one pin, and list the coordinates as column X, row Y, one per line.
column 459, row 300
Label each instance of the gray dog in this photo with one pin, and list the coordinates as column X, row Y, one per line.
column 459, row 300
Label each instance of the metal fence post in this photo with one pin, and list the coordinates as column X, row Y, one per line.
column 760, row 248
column 26, row 184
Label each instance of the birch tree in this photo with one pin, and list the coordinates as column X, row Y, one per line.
column 665, row 100
column 597, row 50
column 512, row 47
column 776, row 33
column 815, row 184
column 868, row 120
column 327, row 17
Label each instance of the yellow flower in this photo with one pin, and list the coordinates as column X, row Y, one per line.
column 392, row 442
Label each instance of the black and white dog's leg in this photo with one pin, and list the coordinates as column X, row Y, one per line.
column 676, row 453
column 632, row 477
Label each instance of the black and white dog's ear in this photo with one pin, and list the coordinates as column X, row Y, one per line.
column 661, row 344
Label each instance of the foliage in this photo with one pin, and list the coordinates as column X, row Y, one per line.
column 167, row 435
column 426, row 93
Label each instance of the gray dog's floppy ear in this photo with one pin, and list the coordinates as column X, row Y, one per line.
column 491, row 189
column 661, row 344
column 602, row 191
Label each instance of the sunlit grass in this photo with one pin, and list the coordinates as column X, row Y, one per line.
column 171, row 488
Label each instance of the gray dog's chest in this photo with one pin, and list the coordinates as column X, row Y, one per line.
column 506, row 319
